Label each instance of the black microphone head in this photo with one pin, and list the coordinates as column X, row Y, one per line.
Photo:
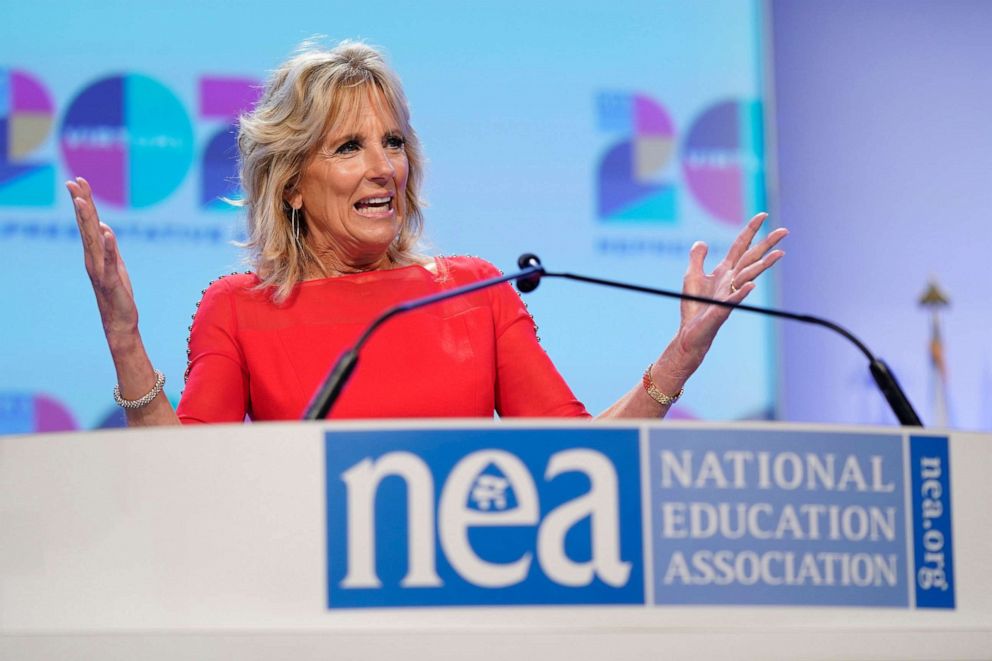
column 529, row 283
column 528, row 259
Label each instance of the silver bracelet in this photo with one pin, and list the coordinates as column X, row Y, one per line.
column 141, row 401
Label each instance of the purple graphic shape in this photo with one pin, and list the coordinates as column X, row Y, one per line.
column 99, row 105
column 617, row 186
column 711, row 162
column 98, row 111
column 114, row 419
column 219, row 177
column 717, row 128
column 27, row 95
column 650, row 119
column 227, row 98
column 51, row 415
column 105, row 169
column 718, row 190
column 680, row 413
column 4, row 138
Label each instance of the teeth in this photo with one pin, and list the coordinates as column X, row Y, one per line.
column 376, row 200
column 375, row 207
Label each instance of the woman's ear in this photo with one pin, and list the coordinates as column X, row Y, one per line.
column 294, row 198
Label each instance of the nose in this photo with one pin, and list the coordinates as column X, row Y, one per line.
column 380, row 168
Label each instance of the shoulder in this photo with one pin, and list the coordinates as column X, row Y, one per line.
column 233, row 282
column 232, row 285
column 225, row 289
column 465, row 268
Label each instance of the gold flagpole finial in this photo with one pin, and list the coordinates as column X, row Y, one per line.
column 934, row 296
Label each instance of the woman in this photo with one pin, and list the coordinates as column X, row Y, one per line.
column 331, row 172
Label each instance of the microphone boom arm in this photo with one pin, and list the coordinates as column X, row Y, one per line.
column 880, row 372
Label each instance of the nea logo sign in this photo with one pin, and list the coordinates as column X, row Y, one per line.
column 496, row 516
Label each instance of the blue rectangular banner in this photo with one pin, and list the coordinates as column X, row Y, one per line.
column 769, row 517
column 640, row 516
column 483, row 517
column 930, row 469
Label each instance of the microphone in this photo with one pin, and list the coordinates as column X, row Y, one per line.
column 884, row 378
column 330, row 389
column 529, row 283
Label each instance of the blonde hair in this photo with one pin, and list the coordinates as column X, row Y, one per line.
column 311, row 93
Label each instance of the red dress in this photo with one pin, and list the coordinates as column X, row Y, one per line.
column 466, row 357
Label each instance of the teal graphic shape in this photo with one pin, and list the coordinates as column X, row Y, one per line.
column 161, row 140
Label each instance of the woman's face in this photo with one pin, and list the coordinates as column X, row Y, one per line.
column 352, row 192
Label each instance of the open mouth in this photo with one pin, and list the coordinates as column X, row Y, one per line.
column 375, row 207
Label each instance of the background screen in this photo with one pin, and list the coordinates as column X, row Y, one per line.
column 605, row 138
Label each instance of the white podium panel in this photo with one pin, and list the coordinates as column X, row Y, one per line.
column 541, row 539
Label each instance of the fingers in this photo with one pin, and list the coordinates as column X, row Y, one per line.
column 109, row 247
column 91, row 230
column 760, row 249
column 749, row 273
column 741, row 293
column 758, row 258
column 697, row 255
column 79, row 187
column 82, row 200
column 743, row 240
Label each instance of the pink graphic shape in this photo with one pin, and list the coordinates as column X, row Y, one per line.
column 104, row 167
column 714, row 162
column 720, row 190
column 52, row 415
column 27, row 95
column 651, row 119
column 227, row 98
column 680, row 413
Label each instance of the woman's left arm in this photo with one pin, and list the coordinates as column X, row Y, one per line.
column 732, row 280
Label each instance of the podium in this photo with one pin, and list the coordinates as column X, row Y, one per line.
column 478, row 540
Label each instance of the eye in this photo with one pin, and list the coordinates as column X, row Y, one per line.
column 348, row 147
column 395, row 141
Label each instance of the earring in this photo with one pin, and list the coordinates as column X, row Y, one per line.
column 294, row 219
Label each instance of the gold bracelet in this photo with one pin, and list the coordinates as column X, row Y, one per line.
column 652, row 390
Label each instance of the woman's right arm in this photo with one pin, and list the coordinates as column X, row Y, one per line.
column 118, row 312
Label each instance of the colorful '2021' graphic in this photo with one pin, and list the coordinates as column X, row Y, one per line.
column 721, row 157
column 129, row 134
column 26, row 117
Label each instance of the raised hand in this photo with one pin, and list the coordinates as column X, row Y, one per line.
column 104, row 265
column 115, row 298
column 732, row 280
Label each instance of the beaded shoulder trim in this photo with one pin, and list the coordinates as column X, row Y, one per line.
column 189, row 329
column 526, row 307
